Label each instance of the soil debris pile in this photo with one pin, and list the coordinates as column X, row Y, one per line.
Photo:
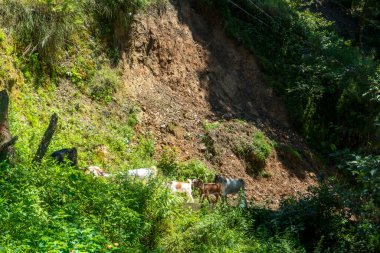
column 185, row 74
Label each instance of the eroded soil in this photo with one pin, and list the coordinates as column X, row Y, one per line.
column 183, row 71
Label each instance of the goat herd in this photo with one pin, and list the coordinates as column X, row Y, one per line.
column 220, row 188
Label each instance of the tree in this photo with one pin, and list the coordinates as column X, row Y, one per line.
column 6, row 140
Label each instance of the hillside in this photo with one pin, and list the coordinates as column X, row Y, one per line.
column 262, row 90
column 184, row 73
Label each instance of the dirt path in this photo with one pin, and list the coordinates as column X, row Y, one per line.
column 183, row 71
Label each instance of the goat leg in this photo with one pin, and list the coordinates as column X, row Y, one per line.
column 201, row 198
column 191, row 197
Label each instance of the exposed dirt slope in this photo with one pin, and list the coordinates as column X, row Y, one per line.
column 182, row 70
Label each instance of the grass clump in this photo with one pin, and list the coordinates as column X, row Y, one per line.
column 42, row 27
column 261, row 147
column 254, row 152
column 208, row 126
column 103, row 84
column 174, row 169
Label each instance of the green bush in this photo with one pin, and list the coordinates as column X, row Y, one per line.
column 330, row 218
column 255, row 152
column 225, row 229
column 363, row 172
column 219, row 231
column 53, row 208
column 195, row 169
column 168, row 162
column 103, row 84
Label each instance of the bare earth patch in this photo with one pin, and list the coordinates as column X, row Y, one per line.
column 183, row 71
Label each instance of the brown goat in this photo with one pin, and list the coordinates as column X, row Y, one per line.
column 207, row 190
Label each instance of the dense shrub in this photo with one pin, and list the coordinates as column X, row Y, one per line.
column 363, row 174
column 54, row 208
column 330, row 218
column 226, row 229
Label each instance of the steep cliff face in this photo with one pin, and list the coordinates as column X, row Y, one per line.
column 204, row 94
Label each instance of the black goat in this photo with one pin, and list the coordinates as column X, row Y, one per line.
column 70, row 154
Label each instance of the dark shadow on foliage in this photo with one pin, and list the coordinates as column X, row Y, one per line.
column 331, row 218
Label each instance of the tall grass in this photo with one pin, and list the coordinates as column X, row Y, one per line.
column 42, row 27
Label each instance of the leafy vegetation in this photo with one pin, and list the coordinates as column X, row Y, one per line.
column 42, row 27
column 255, row 152
column 331, row 89
column 59, row 56
column 174, row 169
column 71, row 211
column 366, row 15
column 326, row 220
column 103, row 84
column 321, row 76
column 227, row 229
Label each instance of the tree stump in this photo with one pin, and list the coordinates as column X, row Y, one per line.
column 44, row 144
column 6, row 140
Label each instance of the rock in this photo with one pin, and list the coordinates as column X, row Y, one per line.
column 163, row 128
column 227, row 116
column 203, row 148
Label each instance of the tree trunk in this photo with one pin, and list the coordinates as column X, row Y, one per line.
column 362, row 22
column 44, row 144
column 6, row 140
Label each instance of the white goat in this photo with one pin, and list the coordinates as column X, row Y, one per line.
column 96, row 171
column 143, row 172
column 229, row 185
column 182, row 187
